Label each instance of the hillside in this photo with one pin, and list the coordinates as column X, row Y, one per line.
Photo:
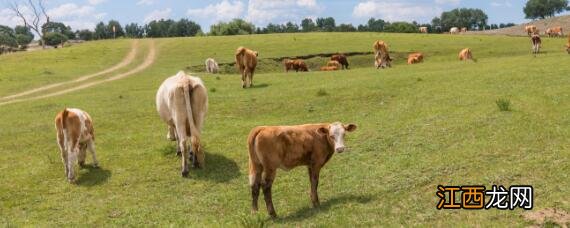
column 419, row 126
column 542, row 25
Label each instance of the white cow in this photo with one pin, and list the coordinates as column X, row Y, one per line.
column 74, row 136
column 182, row 103
column 211, row 66
column 454, row 30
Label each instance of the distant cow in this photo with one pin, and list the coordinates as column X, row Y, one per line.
column 334, row 63
column 297, row 65
column 246, row 61
column 182, row 103
column 381, row 56
column 463, row 30
column 75, row 135
column 416, row 57
column 465, row 55
column 568, row 45
column 554, row 32
column 341, row 59
column 286, row 147
column 531, row 29
column 329, row 68
column 212, row 66
column 536, row 43
column 423, row 29
column 454, row 30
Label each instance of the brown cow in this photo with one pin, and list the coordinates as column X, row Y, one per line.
column 329, row 68
column 297, row 65
column 341, row 58
column 381, row 56
column 463, row 30
column 554, row 32
column 531, row 29
column 288, row 64
column 246, row 61
column 536, row 43
column 286, row 147
column 416, row 57
column 568, row 45
column 75, row 135
column 423, row 29
column 333, row 63
column 465, row 55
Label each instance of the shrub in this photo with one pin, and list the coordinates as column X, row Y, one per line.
column 504, row 104
column 54, row 39
column 322, row 92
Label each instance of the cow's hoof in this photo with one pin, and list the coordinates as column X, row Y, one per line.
column 273, row 215
column 95, row 165
column 72, row 181
column 243, row 86
column 82, row 164
column 185, row 173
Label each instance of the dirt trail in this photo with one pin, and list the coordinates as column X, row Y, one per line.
column 126, row 61
column 149, row 60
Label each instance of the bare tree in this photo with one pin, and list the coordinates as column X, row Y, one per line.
column 34, row 21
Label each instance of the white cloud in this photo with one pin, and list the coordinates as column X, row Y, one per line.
column 505, row 3
column 445, row 2
column 222, row 11
column 158, row 14
column 96, row 2
column 76, row 16
column 70, row 10
column 395, row 10
column 261, row 12
column 145, row 2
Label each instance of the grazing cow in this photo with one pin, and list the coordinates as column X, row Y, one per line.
column 381, row 56
column 212, row 66
column 334, row 63
column 554, row 32
column 341, row 59
column 568, row 45
column 465, row 55
column 531, row 29
column 463, row 30
column 246, row 61
column 329, row 68
column 297, row 65
column 286, row 147
column 75, row 135
column 416, row 57
column 536, row 43
column 182, row 102
column 423, row 29
column 454, row 30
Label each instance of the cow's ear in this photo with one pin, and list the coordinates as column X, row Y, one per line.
column 350, row 127
column 323, row 131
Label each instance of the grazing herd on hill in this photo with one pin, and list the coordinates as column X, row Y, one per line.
column 182, row 103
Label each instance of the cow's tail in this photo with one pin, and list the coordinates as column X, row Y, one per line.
column 194, row 132
column 64, row 116
column 253, row 159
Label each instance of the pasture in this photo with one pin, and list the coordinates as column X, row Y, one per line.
column 419, row 126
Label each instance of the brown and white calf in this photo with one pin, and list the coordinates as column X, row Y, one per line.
column 182, row 102
column 286, row 147
column 536, row 43
column 75, row 135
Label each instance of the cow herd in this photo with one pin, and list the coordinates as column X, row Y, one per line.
column 182, row 103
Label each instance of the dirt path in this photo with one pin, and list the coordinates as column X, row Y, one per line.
column 149, row 60
column 126, row 61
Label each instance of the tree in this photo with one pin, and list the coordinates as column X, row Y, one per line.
column 55, row 39
column 118, row 32
column 184, row 28
column 535, row 9
column 326, row 24
column 23, row 36
column 308, row 25
column 401, row 27
column 374, row 25
column 33, row 22
column 85, row 34
column 473, row 19
column 234, row 27
column 58, row 27
column 291, row 27
column 7, row 39
column 133, row 30
column 346, row 28
column 101, row 32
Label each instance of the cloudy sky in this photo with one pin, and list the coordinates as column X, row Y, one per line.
column 82, row 14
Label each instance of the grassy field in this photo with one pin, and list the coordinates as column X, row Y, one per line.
column 418, row 127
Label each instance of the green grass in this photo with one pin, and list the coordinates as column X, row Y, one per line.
column 418, row 127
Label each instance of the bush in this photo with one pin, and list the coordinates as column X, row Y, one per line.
column 322, row 92
column 54, row 39
column 504, row 104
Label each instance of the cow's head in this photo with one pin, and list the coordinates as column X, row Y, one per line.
column 335, row 134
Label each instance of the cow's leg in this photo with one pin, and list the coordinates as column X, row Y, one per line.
column 182, row 146
column 197, row 155
column 314, row 177
column 63, row 150
column 251, row 77
column 82, row 153
column 72, row 156
column 171, row 135
column 268, row 177
column 243, row 78
column 91, row 147
column 255, row 171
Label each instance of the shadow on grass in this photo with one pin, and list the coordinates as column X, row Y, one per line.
column 94, row 176
column 259, row 86
column 307, row 212
column 217, row 168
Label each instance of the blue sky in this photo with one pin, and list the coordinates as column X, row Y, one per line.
column 81, row 14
